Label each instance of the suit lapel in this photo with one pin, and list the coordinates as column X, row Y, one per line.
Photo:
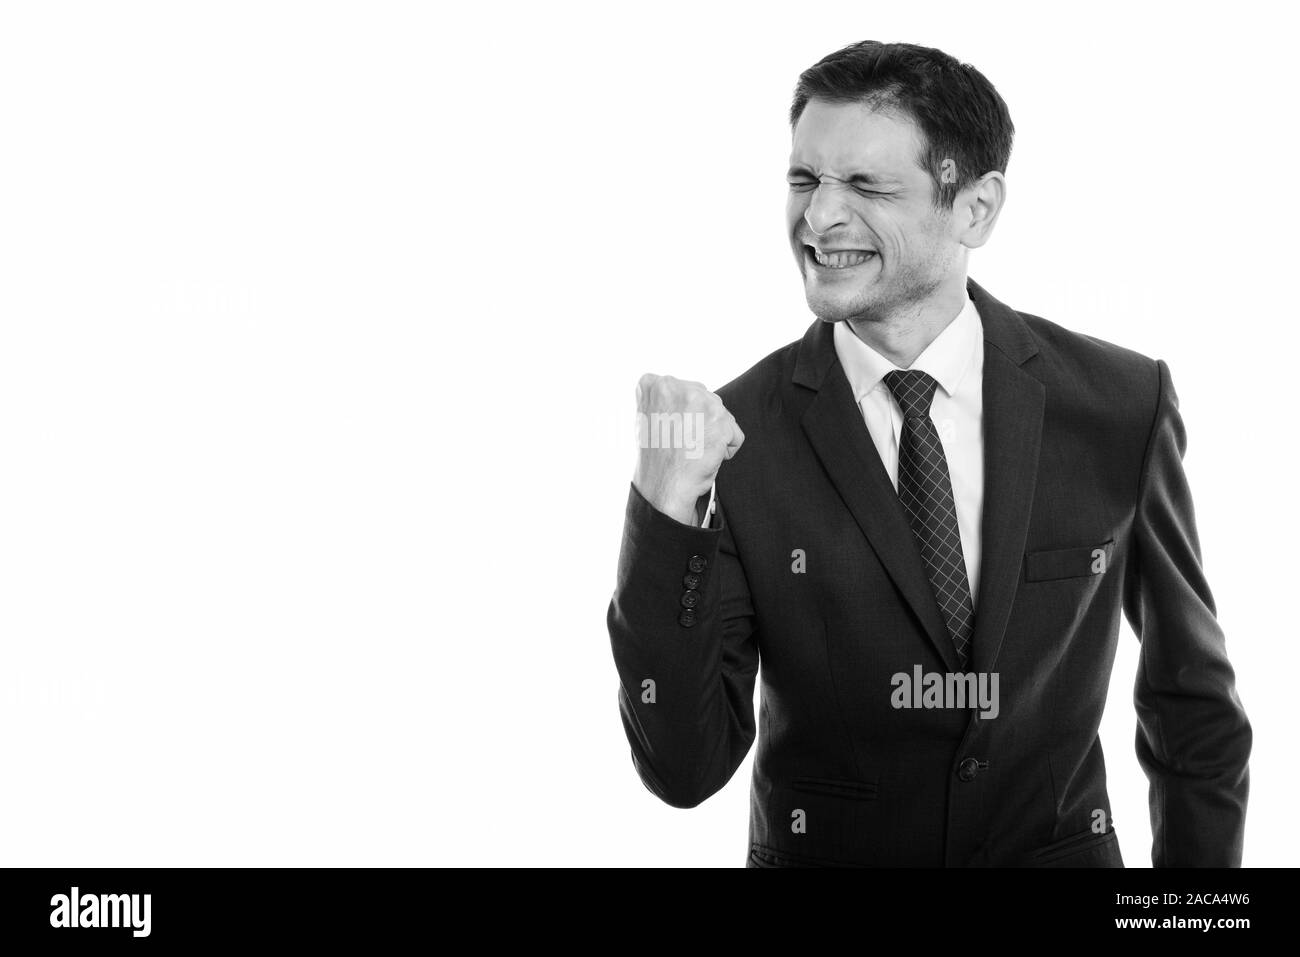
column 1013, row 414
column 834, row 426
column 1013, row 424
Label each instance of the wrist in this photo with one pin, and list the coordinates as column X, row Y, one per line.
column 679, row 507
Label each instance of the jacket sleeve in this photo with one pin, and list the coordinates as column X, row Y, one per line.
column 686, row 683
column 1193, row 737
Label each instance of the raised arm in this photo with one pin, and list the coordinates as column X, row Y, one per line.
column 681, row 621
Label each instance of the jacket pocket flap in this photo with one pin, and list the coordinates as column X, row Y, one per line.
column 857, row 790
column 1076, row 844
column 1053, row 563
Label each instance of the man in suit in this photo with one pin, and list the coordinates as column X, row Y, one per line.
column 927, row 530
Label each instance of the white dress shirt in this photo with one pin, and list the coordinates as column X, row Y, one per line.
column 956, row 361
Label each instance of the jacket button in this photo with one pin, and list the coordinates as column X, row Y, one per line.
column 697, row 563
column 968, row 769
column 690, row 598
column 691, row 581
column 687, row 618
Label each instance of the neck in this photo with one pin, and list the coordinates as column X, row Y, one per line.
column 905, row 334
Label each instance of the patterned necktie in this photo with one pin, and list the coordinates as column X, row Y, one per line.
column 925, row 489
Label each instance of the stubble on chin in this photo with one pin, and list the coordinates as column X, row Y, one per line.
column 859, row 308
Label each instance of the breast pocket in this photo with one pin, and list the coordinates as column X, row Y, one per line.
column 1082, row 561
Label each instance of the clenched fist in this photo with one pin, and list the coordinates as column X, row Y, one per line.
column 684, row 433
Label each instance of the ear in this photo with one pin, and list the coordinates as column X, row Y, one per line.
column 976, row 209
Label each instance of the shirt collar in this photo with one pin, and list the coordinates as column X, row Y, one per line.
column 948, row 358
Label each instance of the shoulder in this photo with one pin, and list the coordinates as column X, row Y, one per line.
column 758, row 391
column 1068, row 349
column 1093, row 371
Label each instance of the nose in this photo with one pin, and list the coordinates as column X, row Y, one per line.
column 825, row 210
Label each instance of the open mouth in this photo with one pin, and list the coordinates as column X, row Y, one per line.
column 840, row 258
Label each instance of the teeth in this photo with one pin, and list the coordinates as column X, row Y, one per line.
column 841, row 260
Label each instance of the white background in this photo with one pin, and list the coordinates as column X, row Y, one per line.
column 320, row 327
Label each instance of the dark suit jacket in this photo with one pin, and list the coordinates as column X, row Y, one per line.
column 1083, row 448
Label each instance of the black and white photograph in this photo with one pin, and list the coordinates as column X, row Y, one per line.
column 677, row 436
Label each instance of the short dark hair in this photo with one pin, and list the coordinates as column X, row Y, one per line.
column 960, row 114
